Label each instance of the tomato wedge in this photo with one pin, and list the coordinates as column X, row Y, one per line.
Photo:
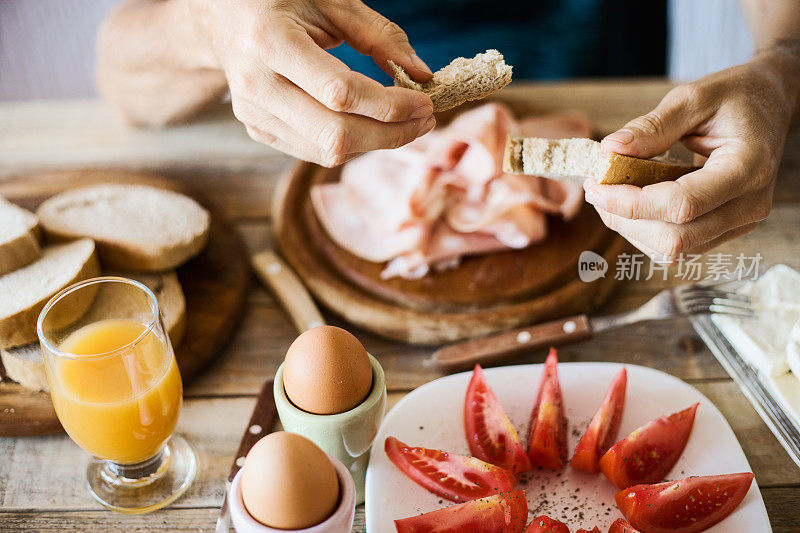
column 688, row 506
column 505, row 513
column 621, row 526
column 490, row 434
column 602, row 431
column 647, row 454
column 547, row 443
column 545, row 524
column 595, row 529
column 455, row 477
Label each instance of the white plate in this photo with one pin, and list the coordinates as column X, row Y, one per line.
column 431, row 416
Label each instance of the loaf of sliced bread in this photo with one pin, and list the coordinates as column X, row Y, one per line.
column 460, row 81
column 136, row 227
column 25, row 291
column 575, row 160
column 19, row 243
column 24, row 364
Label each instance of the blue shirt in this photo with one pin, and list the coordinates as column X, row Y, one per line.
column 542, row 39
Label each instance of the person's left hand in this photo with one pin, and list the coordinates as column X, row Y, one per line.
column 739, row 119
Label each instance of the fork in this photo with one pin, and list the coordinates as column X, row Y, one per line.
column 683, row 300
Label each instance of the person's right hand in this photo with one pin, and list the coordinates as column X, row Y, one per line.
column 292, row 95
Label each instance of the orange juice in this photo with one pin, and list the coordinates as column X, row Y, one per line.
column 121, row 406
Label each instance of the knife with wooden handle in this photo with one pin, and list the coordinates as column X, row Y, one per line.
column 289, row 290
column 261, row 421
column 463, row 355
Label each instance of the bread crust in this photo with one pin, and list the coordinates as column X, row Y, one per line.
column 19, row 252
column 122, row 255
column 626, row 170
column 512, row 155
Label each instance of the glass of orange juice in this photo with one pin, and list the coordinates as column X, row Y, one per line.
column 117, row 391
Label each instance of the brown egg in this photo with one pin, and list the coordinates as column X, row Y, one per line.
column 288, row 482
column 327, row 371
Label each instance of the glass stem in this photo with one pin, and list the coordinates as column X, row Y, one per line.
column 139, row 471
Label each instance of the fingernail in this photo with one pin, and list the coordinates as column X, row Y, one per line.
column 420, row 64
column 427, row 126
column 595, row 198
column 423, row 111
column 621, row 136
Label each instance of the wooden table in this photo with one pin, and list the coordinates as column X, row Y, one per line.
column 42, row 479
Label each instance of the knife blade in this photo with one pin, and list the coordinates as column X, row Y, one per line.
column 261, row 421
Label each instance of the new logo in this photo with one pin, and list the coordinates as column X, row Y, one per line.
column 591, row 266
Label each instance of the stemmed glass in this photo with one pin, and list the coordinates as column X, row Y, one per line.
column 117, row 391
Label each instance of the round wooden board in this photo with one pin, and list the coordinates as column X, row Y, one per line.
column 489, row 280
column 214, row 283
column 483, row 295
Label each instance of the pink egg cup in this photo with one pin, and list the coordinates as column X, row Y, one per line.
column 341, row 521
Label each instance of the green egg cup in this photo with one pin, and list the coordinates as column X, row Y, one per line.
column 347, row 436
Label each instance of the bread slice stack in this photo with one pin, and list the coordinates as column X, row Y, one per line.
column 131, row 231
column 460, row 81
column 575, row 160
column 24, row 364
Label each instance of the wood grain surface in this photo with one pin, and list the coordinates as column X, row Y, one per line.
column 214, row 284
column 42, row 478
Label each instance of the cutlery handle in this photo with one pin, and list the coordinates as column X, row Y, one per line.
column 463, row 355
column 260, row 424
column 289, row 290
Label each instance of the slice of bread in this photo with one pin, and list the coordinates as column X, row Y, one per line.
column 24, row 364
column 19, row 232
column 25, row 291
column 575, row 160
column 460, row 81
column 168, row 292
column 136, row 227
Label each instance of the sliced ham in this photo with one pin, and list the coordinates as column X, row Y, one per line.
column 443, row 249
column 444, row 196
column 340, row 218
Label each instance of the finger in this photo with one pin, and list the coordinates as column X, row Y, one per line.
column 671, row 240
column 646, row 136
column 370, row 33
column 729, row 235
column 262, row 126
column 286, row 146
column 728, row 173
column 699, row 160
column 338, row 135
column 297, row 57
column 725, row 237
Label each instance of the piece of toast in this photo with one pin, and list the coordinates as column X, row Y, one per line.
column 460, row 81
column 575, row 160
column 136, row 227
column 19, row 237
column 25, row 291
column 24, row 364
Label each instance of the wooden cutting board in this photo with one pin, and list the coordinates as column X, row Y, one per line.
column 483, row 295
column 214, row 283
